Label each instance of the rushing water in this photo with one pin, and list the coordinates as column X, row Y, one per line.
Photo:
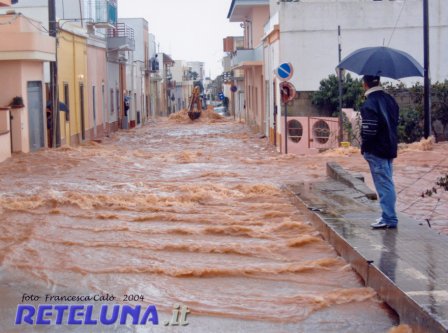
column 181, row 213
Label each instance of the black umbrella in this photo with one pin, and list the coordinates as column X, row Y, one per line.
column 382, row 61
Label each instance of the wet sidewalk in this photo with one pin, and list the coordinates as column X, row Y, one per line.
column 407, row 266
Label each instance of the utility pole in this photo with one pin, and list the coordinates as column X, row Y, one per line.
column 53, row 73
column 427, row 79
column 341, row 119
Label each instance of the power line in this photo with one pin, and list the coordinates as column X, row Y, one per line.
column 40, row 27
column 396, row 23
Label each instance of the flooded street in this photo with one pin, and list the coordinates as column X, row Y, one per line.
column 176, row 213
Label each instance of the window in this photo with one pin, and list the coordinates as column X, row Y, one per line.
column 94, row 103
column 112, row 101
column 117, row 97
column 67, row 101
column 103, row 102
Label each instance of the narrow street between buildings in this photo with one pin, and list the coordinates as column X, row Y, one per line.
column 178, row 212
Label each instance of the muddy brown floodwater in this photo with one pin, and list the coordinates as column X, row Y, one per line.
column 180, row 213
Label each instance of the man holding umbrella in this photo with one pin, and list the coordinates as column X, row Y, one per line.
column 380, row 114
column 379, row 146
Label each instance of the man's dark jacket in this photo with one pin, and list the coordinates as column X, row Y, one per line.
column 379, row 114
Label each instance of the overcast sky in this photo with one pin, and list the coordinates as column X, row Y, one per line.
column 187, row 30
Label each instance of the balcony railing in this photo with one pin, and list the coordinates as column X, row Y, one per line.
column 246, row 56
column 121, row 38
column 121, row 30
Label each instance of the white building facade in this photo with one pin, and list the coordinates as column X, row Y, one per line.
column 305, row 34
column 183, row 82
column 309, row 34
column 137, row 72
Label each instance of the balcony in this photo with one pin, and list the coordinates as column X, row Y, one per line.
column 153, row 66
column 271, row 25
column 20, row 39
column 240, row 10
column 121, row 38
column 247, row 57
column 102, row 13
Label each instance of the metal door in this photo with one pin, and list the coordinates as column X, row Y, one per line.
column 35, row 115
column 323, row 132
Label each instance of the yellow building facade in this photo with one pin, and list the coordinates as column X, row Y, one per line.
column 72, row 78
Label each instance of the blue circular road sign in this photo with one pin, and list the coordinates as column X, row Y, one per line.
column 285, row 71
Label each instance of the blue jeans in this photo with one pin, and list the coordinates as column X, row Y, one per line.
column 382, row 174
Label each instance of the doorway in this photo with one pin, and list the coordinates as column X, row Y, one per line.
column 35, row 115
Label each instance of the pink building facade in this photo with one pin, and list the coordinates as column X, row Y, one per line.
column 97, row 96
column 253, row 15
column 23, row 50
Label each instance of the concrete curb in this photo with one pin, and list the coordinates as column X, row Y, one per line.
column 409, row 311
column 338, row 173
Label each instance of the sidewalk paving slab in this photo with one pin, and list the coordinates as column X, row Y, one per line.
column 407, row 266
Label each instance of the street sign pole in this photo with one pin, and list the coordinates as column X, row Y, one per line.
column 287, row 92
column 427, row 79
column 341, row 119
column 286, row 128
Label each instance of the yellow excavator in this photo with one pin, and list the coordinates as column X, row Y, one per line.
column 195, row 105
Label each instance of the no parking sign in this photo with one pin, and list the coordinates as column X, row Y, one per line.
column 287, row 92
column 284, row 72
